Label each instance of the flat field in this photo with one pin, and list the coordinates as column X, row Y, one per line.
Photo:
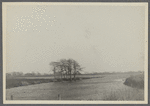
column 104, row 87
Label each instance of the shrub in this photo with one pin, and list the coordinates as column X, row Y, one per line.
column 135, row 81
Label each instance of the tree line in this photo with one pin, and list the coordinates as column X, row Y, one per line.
column 31, row 74
column 66, row 67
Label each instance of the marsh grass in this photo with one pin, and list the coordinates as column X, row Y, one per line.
column 135, row 91
column 125, row 94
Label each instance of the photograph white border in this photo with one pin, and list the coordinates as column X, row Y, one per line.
column 4, row 15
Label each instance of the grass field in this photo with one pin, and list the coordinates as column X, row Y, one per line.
column 108, row 87
column 25, row 81
column 129, row 94
column 134, row 93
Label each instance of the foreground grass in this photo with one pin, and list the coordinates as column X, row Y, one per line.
column 136, row 93
column 125, row 94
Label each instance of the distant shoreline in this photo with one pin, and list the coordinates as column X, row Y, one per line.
column 25, row 81
column 28, row 80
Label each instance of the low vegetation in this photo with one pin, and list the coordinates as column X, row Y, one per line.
column 97, row 87
column 135, row 81
column 125, row 94
column 136, row 93
column 24, row 81
column 11, row 83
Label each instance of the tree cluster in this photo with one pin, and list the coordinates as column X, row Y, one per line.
column 66, row 68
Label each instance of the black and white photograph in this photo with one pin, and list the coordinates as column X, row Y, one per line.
column 75, row 53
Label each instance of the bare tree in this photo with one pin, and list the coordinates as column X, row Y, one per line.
column 54, row 65
column 70, row 61
column 76, row 68
column 64, row 64
column 66, row 67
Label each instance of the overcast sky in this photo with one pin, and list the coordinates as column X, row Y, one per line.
column 100, row 38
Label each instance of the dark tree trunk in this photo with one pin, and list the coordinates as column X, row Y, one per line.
column 64, row 75
column 75, row 77
column 54, row 73
column 70, row 75
column 61, row 75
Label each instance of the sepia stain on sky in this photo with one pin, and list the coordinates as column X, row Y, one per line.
column 100, row 38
